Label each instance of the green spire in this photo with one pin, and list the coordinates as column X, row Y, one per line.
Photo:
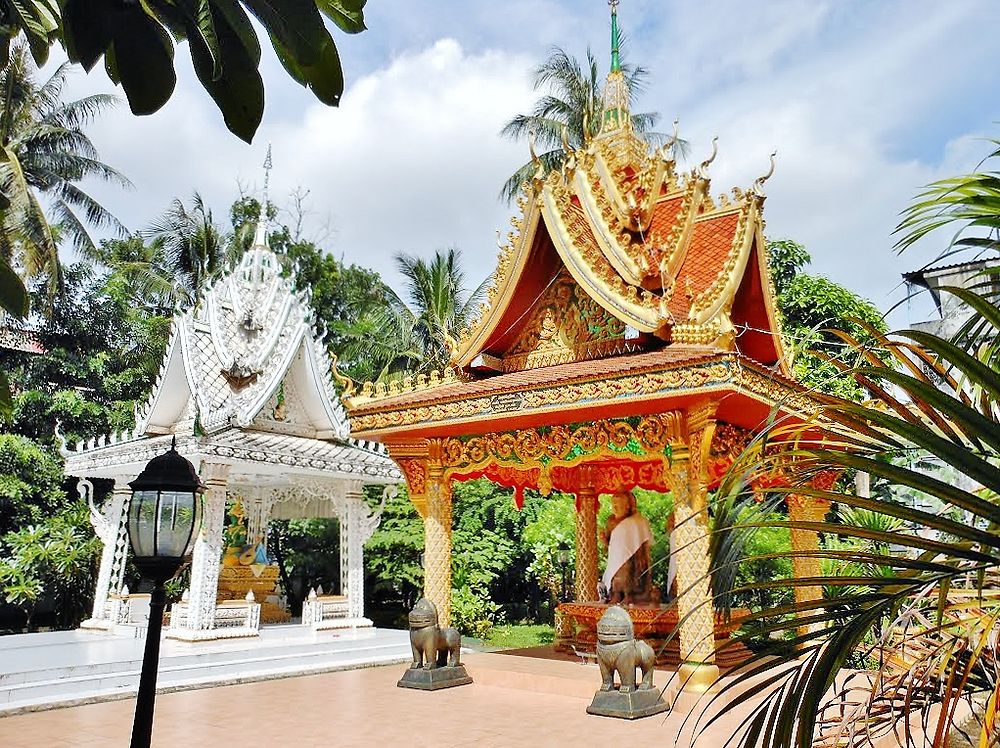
column 615, row 59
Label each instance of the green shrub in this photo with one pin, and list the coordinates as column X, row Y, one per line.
column 473, row 613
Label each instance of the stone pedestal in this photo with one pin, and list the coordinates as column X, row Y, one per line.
column 644, row 702
column 432, row 680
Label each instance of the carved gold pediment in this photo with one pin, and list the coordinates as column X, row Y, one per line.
column 565, row 325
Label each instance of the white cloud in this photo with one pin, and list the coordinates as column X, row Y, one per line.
column 411, row 160
column 865, row 103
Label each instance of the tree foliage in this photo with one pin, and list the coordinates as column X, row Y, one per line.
column 574, row 104
column 102, row 352
column 393, row 558
column 137, row 40
column 415, row 333
column 30, row 483
column 814, row 312
column 54, row 560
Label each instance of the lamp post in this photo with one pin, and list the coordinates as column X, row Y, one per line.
column 163, row 520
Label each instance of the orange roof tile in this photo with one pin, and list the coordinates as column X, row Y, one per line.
column 711, row 243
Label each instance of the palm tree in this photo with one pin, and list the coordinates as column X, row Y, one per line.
column 573, row 102
column 150, row 279
column 191, row 246
column 44, row 155
column 416, row 335
column 440, row 305
column 917, row 608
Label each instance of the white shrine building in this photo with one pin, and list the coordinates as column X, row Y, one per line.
column 246, row 390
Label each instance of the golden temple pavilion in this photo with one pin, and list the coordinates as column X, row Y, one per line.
column 630, row 339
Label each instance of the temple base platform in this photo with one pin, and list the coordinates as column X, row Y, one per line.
column 644, row 702
column 576, row 631
column 433, row 680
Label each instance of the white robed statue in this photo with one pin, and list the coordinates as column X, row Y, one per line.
column 628, row 537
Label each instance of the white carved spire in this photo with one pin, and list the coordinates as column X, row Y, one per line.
column 260, row 235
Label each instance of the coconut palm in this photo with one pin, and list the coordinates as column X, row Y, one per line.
column 415, row 335
column 440, row 304
column 915, row 608
column 191, row 246
column 573, row 102
column 44, row 155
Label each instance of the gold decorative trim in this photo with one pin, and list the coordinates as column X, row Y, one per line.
column 565, row 325
column 510, row 265
column 574, row 242
column 709, row 302
column 555, row 445
column 772, row 390
column 599, row 215
column 555, row 397
column 679, row 239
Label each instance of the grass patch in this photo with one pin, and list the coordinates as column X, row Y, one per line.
column 519, row 636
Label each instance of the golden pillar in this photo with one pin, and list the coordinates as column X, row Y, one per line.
column 806, row 509
column 437, row 542
column 586, row 545
column 695, row 608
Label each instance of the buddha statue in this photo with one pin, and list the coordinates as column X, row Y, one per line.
column 628, row 537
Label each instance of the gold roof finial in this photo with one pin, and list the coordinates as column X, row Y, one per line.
column 567, row 148
column 667, row 149
column 703, row 166
column 539, row 166
column 758, row 184
column 617, row 114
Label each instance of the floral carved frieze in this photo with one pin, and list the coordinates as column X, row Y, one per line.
column 565, row 394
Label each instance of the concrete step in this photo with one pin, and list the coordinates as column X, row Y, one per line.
column 189, row 668
column 534, row 674
column 133, row 661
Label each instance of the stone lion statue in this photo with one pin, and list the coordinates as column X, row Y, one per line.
column 618, row 650
column 432, row 645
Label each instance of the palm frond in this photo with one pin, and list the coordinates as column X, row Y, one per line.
column 888, row 559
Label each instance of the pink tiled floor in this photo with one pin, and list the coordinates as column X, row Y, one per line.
column 364, row 708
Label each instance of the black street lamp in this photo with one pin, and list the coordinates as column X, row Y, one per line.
column 163, row 520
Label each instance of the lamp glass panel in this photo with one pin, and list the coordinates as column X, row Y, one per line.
column 142, row 523
column 175, row 523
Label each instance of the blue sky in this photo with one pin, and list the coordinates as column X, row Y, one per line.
column 864, row 102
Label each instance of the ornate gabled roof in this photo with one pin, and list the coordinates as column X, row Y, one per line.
column 245, row 380
column 648, row 244
column 652, row 247
column 249, row 336
column 617, row 260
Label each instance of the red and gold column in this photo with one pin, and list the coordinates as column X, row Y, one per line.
column 585, row 587
column 806, row 509
column 437, row 537
column 430, row 492
column 691, row 535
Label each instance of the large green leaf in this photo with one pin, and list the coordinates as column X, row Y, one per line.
column 88, row 29
column 325, row 78
column 39, row 19
column 13, row 294
column 239, row 92
column 296, row 24
column 347, row 14
column 144, row 60
column 139, row 56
